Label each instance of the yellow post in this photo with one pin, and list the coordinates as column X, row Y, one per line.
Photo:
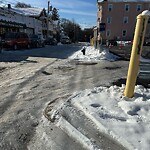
column 135, row 55
column 92, row 41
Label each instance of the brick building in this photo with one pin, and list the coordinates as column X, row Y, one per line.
column 116, row 19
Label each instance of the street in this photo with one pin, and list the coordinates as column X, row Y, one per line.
column 30, row 79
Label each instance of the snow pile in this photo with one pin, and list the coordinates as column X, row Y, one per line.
column 92, row 54
column 126, row 120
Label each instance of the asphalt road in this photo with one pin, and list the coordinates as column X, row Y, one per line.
column 30, row 79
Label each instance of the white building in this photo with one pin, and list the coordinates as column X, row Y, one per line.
column 29, row 20
column 11, row 21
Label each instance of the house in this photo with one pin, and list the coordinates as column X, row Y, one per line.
column 29, row 20
column 36, row 14
column 116, row 19
column 13, row 21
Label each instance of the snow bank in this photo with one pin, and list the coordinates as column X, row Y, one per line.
column 93, row 54
column 126, row 120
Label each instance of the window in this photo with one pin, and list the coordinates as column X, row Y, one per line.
column 139, row 7
column 100, row 8
column 110, row 7
column 125, row 20
column 109, row 19
column 108, row 33
column 126, row 7
column 124, row 33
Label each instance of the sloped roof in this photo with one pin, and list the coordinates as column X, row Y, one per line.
column 28, row 11
column 124, row 1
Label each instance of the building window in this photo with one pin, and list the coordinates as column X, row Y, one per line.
column 139, row 7
column 124, row 33
column 109, row 19
column 126, row 7
column 110, row 7
column 100, row 8
column 108, row 33
column 125, row 20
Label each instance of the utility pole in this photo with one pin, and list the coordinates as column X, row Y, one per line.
column 48, row 7
column 48, row 10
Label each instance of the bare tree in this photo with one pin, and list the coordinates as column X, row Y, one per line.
column 22, row 5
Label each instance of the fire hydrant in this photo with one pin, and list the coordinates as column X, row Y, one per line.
column 83, row 50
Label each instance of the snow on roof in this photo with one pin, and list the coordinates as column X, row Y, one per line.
column 124, row 1
column 28, row 11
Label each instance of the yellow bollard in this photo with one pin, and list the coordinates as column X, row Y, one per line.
column 135, row 55
column 92, row 41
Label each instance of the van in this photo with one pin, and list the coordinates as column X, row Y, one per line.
column 65, row 40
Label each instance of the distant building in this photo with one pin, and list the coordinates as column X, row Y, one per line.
column 116, row 19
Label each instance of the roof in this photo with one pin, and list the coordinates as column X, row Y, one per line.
column 28, row 11
column 124, row 1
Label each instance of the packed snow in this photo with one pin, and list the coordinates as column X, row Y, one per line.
column 125, row 119
column 92, row 54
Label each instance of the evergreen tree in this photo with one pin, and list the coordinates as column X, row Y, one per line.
column 55, row 15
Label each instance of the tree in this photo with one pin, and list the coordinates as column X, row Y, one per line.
column 22, row 5
column 55, row 15
column 86, row 34
column 71, row 29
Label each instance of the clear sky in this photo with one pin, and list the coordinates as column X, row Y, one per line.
column 82, row 12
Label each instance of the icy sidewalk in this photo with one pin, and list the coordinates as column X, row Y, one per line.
column 102, row 118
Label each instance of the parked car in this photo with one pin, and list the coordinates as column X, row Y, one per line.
column 16, row 40
column 37, row 41
column 51, row 41
column 65, row 40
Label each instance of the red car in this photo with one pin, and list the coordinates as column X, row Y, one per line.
column 16, row 40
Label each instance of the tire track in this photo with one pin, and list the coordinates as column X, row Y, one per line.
column 11, row 99
column 83, row 77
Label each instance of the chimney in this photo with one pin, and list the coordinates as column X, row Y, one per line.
column 9, row 6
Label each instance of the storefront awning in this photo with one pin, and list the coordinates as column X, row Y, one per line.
column 11, row 24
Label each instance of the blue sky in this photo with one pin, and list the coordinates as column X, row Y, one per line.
column 82, row 12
